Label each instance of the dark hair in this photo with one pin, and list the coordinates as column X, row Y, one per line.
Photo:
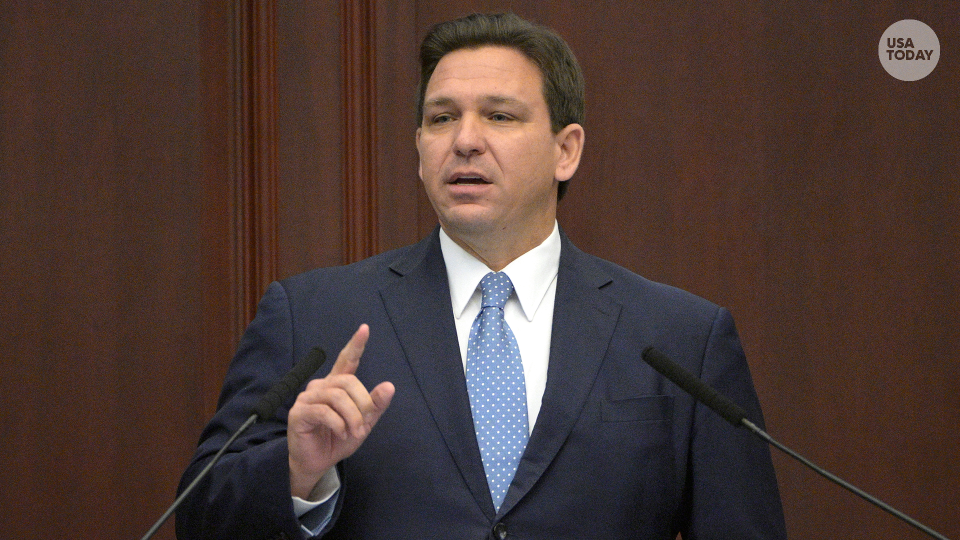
column 563, row 86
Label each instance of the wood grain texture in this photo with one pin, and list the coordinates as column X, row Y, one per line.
column 359, row 130
column 255, row 153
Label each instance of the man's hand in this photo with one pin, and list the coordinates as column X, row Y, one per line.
column 332, row 417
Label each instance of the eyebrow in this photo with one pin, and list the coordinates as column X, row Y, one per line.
column 487, row 100
column 438, row 102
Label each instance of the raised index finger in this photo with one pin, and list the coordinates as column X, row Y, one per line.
column 349, row 357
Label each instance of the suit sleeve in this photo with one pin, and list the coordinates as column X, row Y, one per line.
column 246, row 496
column 732, row 491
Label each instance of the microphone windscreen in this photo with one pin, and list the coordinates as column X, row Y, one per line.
column 729, row 410
column 285, row 387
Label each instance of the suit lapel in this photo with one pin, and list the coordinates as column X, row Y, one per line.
column 422, row 293
column 583, row 323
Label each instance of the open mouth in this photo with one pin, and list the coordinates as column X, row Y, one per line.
column 469, row 180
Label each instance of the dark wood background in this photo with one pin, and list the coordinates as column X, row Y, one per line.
column 162, row 161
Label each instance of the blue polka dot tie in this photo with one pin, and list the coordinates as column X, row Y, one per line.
column 498, row 394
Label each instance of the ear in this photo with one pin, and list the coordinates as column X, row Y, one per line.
column 419, row 155
column 569, row 149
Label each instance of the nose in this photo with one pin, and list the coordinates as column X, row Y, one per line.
column 469, row 138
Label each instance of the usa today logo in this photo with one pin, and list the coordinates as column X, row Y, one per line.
column 909, row 50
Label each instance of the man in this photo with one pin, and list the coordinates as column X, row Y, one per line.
column 533, row 418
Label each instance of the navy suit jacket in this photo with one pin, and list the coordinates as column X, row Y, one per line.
column 617, row 450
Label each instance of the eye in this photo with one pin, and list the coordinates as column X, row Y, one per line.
column 500, row 117
column 442, row 118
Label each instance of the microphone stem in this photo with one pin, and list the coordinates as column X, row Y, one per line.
column 156, row 526
column 840, row 482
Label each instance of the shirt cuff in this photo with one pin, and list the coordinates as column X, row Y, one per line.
column 315, row 512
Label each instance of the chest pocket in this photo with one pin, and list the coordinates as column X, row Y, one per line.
column 626, row 404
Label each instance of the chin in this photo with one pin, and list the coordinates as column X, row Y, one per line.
column 467, row 224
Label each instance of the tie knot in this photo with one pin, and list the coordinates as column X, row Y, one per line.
column 496, row 288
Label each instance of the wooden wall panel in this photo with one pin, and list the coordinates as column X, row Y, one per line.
column 861, row 245
column 113, row 264
column 359, row 131
column 254, row 151
column 310, row 120
column 405, row 215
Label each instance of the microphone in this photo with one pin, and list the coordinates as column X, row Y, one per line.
column 264, row 410
column 290, row 383
column 734, row 414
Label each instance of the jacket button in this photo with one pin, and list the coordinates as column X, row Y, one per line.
column 500, row 531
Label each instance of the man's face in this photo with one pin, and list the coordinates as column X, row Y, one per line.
column 489, row 160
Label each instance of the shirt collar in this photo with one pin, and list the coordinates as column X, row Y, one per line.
column 531, row 273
